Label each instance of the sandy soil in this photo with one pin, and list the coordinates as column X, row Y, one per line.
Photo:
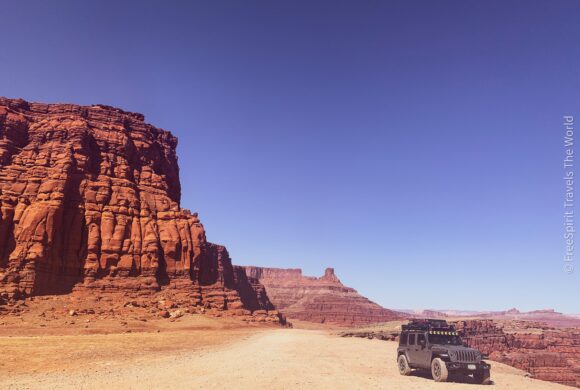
column 69, row 353
column 248, row 358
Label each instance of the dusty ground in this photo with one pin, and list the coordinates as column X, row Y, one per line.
column 238, row 357
column 56, row 333
column 58, row 353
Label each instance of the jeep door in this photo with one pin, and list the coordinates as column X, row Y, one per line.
column 423, row 352
column 412, row 349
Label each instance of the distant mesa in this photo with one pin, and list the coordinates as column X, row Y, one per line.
column 548, row 316
column 321, row 300
column 432, row 314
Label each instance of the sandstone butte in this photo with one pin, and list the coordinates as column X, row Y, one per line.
column 322, row 300
column 90, row 203
column 547, row 353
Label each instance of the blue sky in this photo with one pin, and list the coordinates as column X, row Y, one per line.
column 414, row 146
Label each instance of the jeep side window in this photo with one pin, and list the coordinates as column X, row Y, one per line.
column 404, row 337
column 411, row 339
column 421, row 337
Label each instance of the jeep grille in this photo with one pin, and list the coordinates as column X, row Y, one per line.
column 466, row 356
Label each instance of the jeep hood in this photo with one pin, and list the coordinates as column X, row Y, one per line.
column 442, row 348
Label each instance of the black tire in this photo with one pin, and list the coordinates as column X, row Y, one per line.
column 403, row 364
column 439, row 370
column 482, row 377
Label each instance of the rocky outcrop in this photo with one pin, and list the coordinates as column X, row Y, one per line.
column 89, row 201
column 547, row 353
column 252, row 292
column 322, row 300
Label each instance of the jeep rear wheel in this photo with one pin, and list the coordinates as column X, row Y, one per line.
column 404, row 368
column 439, row 370
column 482, row 377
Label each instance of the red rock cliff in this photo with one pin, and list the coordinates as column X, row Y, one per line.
column 89, row 199
column 547, row 353
column 321, row 300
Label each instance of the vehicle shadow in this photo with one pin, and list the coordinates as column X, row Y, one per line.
column 452, row 378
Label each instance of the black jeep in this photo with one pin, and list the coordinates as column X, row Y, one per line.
column 434, row 345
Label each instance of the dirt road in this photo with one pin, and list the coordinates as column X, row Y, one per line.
column 270, row 359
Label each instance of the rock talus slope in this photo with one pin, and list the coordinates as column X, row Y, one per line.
column 321, row 300
column 89, row 200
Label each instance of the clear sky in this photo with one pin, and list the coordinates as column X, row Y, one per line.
column 414, row 146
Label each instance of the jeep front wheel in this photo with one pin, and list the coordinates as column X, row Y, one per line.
column 439, row 370
column 404, row 368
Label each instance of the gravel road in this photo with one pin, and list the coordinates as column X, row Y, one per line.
column 272, row 359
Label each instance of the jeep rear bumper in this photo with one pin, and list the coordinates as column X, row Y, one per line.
column 467, row 367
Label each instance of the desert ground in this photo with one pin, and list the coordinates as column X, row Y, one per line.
column 198, row 352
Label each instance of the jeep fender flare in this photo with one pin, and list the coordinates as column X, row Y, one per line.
column 406, row 356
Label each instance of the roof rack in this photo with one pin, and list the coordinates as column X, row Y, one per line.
column 428, row 324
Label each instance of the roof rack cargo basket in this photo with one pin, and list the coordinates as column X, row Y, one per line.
column 427, row 324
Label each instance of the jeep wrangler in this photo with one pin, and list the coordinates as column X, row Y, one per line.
column 434, row 345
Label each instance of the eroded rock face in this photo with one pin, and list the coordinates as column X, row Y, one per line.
column 547, row 353
column 89, row 200
column 322, row 300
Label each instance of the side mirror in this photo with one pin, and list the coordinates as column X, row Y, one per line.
column 422, row 343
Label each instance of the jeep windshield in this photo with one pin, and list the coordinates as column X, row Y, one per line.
column 444, row 339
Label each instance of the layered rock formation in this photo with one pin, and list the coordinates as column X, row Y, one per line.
column 547, row 353
column 548, row 316
column 89, row 200
column 321, row 300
